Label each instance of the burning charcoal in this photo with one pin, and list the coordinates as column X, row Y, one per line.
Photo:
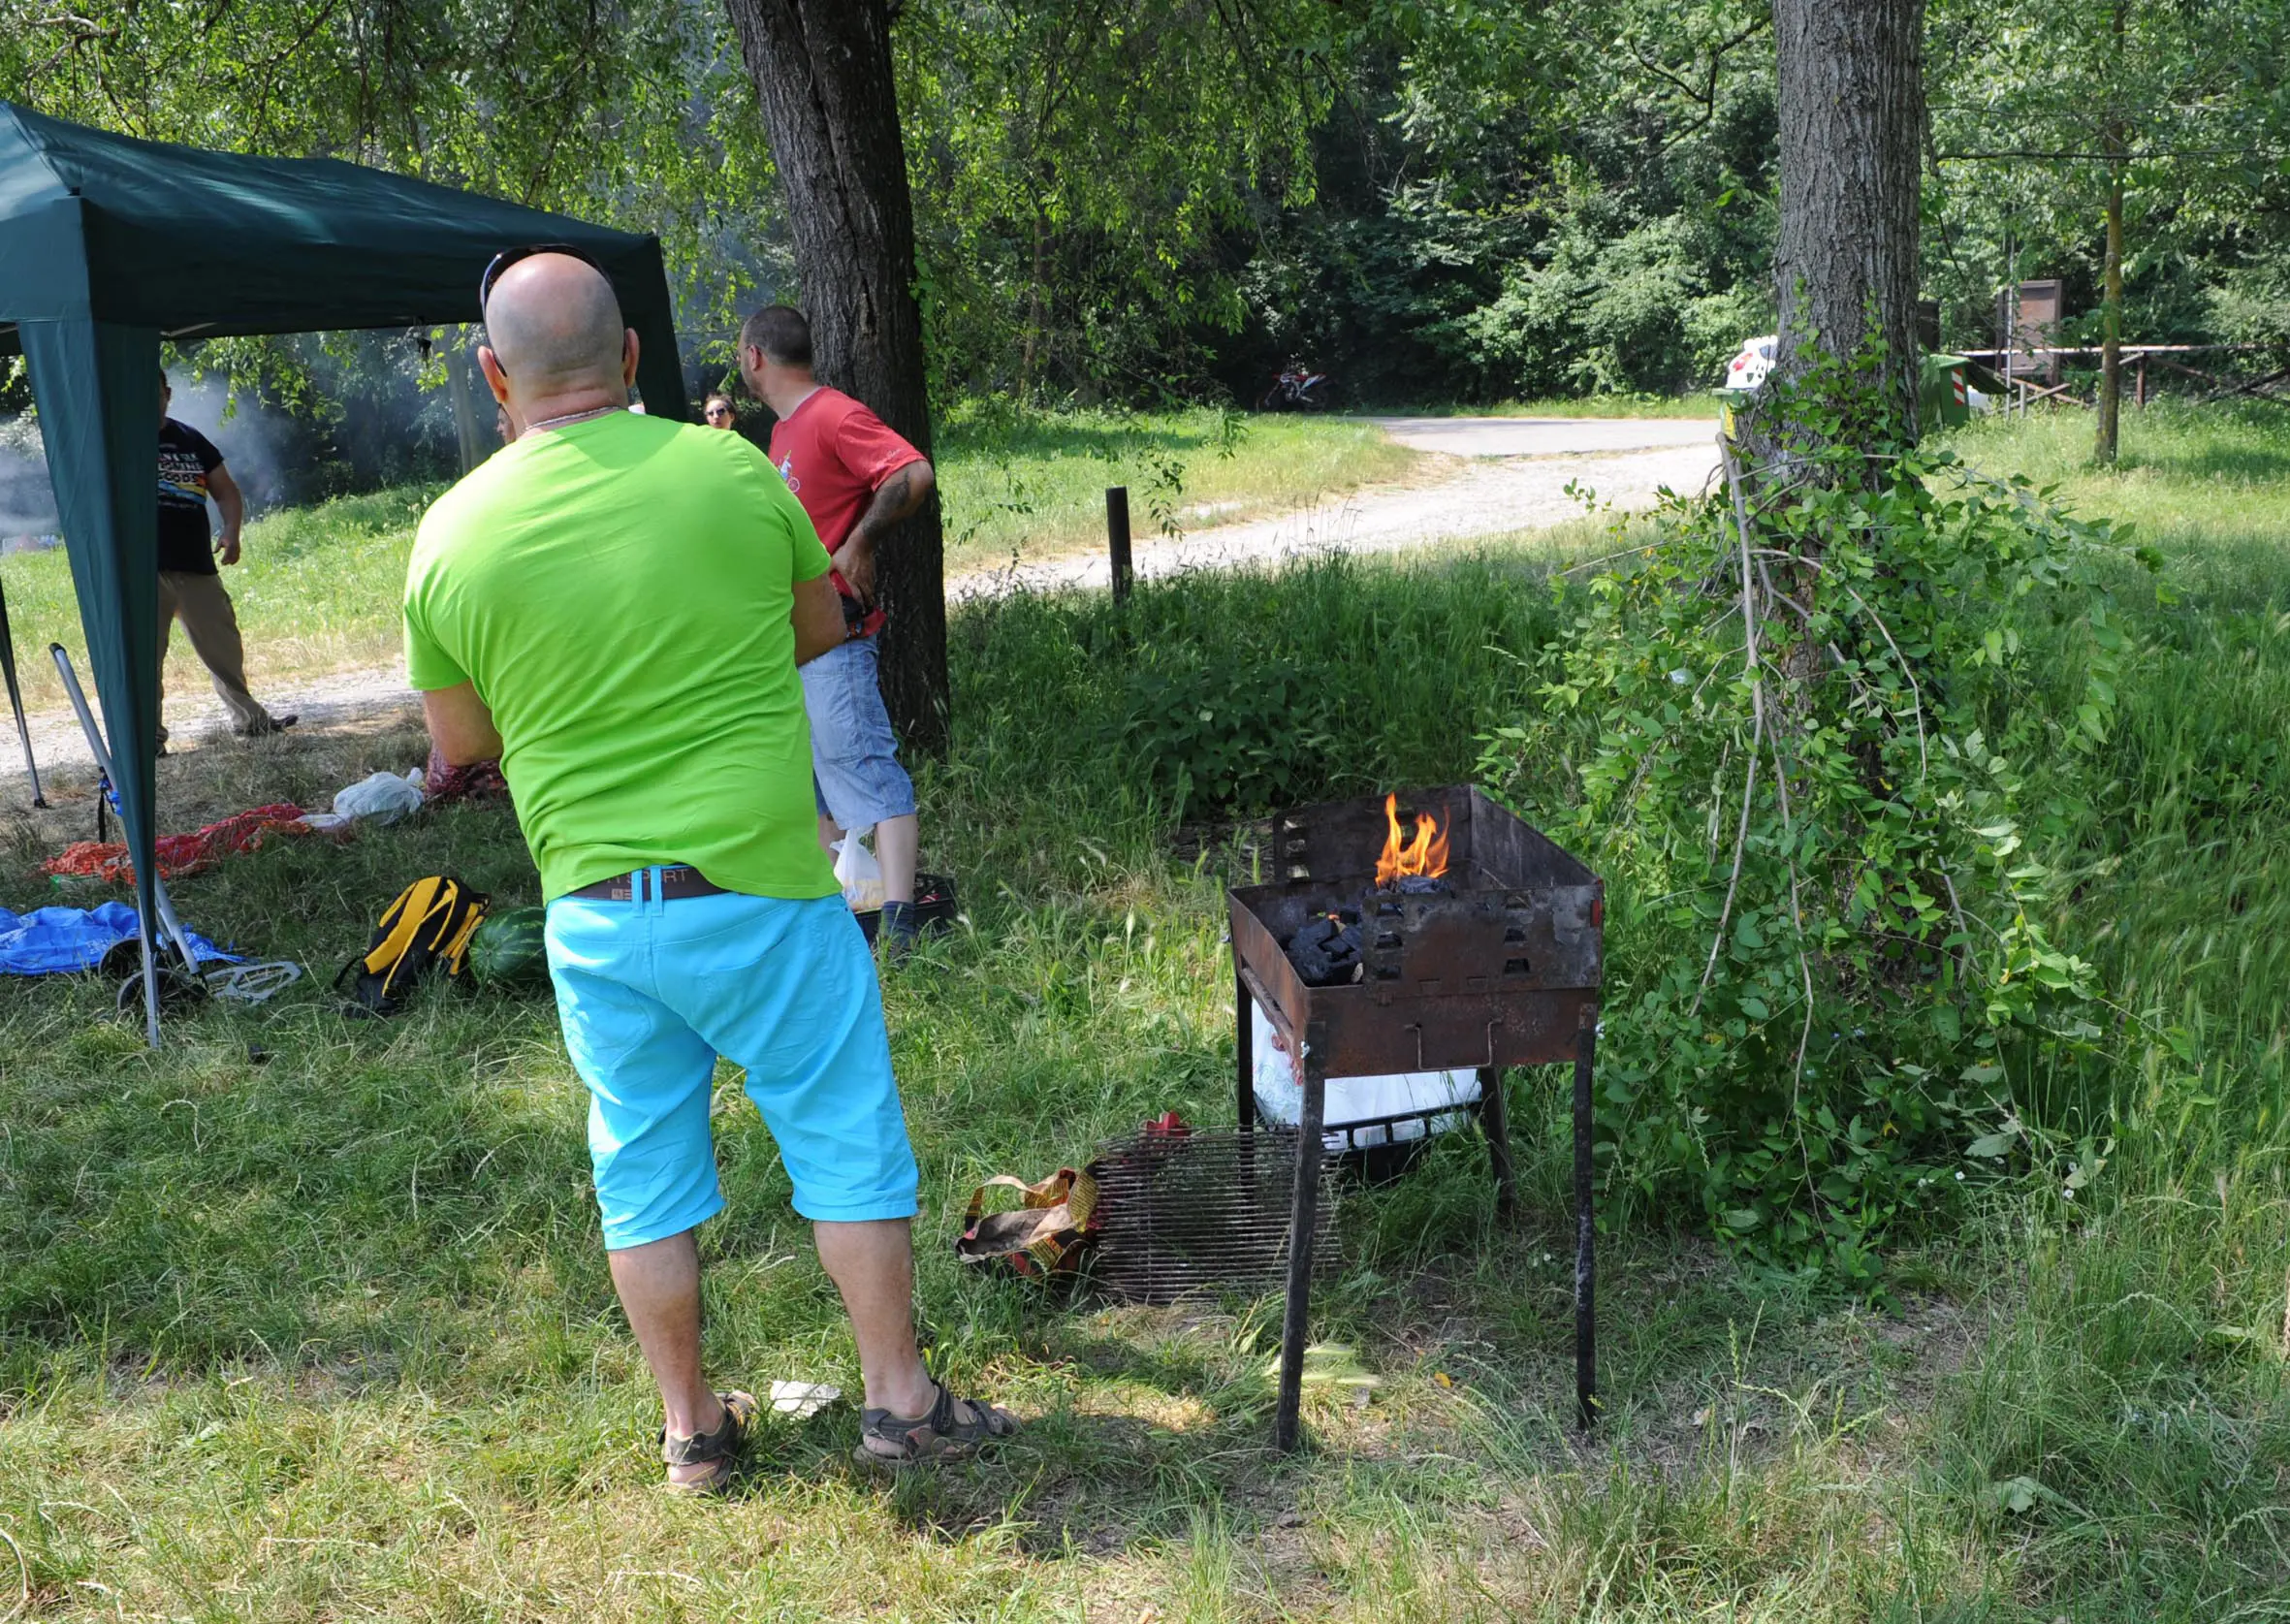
column 1312, row 966
column 1317, row 932
column 1422, row 885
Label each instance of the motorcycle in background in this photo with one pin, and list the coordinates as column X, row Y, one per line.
column 1298, row 389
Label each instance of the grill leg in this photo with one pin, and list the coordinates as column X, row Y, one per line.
column 1494, row 1121
column 1585, row 1237
column 1303, row 1222
column 1245, row 1056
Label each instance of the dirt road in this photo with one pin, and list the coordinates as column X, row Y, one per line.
column 1508, row 474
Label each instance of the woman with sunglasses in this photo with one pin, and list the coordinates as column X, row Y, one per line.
column 719, row 412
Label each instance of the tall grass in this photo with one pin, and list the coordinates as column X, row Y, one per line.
column 304, row 1317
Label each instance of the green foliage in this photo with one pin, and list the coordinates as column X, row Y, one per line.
column 1229, row 739
column 1378, row 688
column 1507, row 229
column 1835, row 974
column 2036, row 108
column 1077, row 169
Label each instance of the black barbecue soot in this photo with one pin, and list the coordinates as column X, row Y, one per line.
column 1327, row 950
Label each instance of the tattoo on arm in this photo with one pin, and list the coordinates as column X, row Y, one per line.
column 895, row 498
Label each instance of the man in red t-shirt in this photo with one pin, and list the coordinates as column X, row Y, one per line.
column 857, row 480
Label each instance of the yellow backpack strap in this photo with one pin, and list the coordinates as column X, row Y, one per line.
column 454, row 950
column 402, row 925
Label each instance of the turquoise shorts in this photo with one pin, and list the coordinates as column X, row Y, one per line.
column 650, row 992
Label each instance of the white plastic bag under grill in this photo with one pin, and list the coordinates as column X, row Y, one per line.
column 1280, row 1095
column 857, row 871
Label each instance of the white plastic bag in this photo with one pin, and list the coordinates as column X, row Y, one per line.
column 1280, row 1095
column 857, row 871
column 382, row 797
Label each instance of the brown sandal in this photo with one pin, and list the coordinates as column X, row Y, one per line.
column 720, row 1448
column 888, row 1442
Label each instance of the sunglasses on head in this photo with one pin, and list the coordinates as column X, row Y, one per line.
column 508, row 257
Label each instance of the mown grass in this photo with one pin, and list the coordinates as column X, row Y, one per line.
column 317, row 588
column 327, row 1333
column 1033, row 485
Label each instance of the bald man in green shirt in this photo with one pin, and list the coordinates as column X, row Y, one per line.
column 614, row 606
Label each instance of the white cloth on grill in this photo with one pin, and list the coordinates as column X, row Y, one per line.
column 1280, row 1096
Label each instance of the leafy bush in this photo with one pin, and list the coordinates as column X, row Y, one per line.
column 1325, row 677
column 1237, row 739
column 1831, row 978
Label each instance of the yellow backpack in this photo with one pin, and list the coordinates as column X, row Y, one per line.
column 427, row 927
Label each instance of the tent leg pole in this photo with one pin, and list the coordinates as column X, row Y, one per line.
column 168, row 922
column 151, row 992
column 16, row 702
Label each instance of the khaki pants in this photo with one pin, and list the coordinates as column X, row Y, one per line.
column 199, row 602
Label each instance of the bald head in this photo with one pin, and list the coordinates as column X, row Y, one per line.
column 554, row 329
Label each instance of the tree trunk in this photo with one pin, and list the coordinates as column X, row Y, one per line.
column 1852, row 113
column 2111, row 340
column 822, row 71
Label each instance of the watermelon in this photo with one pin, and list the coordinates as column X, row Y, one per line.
column 509, row 949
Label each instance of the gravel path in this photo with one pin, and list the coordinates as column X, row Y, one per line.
column 1500, row 489
column 1513, row 475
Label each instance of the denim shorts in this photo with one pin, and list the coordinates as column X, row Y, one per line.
column 855, row 774
column 650, row 993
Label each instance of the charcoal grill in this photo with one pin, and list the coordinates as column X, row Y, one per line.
column 1501, row 971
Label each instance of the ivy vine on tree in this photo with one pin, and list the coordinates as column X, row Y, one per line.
column 1812, row 720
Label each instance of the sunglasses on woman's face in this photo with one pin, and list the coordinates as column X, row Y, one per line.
column 508, row 257
column 714, row 412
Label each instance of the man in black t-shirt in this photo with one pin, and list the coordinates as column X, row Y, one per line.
column 190, row 590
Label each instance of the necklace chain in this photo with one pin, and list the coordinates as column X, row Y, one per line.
column 570, row 417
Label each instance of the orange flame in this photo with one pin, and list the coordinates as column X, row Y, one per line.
column 1425, row 855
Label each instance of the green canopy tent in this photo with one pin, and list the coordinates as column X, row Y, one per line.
column 108, row 244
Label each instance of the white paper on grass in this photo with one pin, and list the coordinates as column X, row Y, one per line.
column 803, row 1399
column 857, row 871
column 1280, row 1095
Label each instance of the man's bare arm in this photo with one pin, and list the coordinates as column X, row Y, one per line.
column 232, row 503
column 461, row 725
column 817, row 617
column 896, row 498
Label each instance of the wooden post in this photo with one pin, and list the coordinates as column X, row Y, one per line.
column 1117, row 538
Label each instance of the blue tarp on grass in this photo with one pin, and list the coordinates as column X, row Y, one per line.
column 65, row 941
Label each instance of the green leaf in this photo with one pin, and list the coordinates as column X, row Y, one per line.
column 1746, row 933
column 2019, row 1495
